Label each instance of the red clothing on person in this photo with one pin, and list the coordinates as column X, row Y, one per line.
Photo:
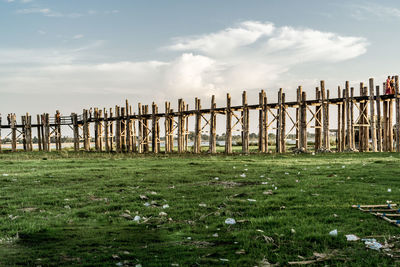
column 388, row 88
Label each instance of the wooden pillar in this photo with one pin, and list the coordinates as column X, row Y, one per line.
column 325, row 125
column 385, row 125
column 75, row 129
column 96, row 130
column 28, row 133
column 128, row 127
column 167, row 130
column 111, row 130
column 57, row 130
column 154, row 128
column 213, row 127
column 266, row 124
column 39, row 132
column 344, row 138
column 140, row 129
column 339, row 124
column 283, row 130
column 298, row 98
column 186, row 127
column 397, row 111
column 372, row 114
column 122, row 129
column 351, row 111
column 23, row 132
column 118, row 129
column 303, row 122
column 378, row 120
column 318, row 121
column 261, row 122
column 390, row 125
column 349, row 136
column 146, row 131
column 328, row 142
column 106, row 132
column 47, row 131
column 278, row 141
column 228, row 134
column 197, row 127
column 366, row 121
column 86, row 131
column 13, row 126
column 180, row 126
column 245, row 124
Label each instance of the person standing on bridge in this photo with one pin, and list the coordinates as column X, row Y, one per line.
column 392, row 85
column 387, row 86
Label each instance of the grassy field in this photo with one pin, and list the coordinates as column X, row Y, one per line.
column 79, row 209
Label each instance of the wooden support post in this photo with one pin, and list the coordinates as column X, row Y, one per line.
column 390, row 125
column 261, row 122
column 328, row 144
column 245, row 124
column 344, row 138
column 325, row 122
column 278, row 141
column 303, row 123
column 106, row 132
column 118, row 129
column 154, row 130
column 23, row 132
column 197, row 129
column 228, row 134
column 122, row 120
column 186, row 128
column 13, row 126
column 318, row 121
column 140, row 129
column 86, row 131
column 339, row 124
column 351, row 111
column 111, row 131
column 283, row 130
column 265, row 121
column 349, row 137
column 366, row 121
column 128, row 127
column 213, row 127
column 378, row 120
column 298, row 98
column 167, row 127
column 385, row 125
column 47, row 131
column 96, row 130
column 39, row 132
column 397, row 111
column 146, row 129
column 57, row 130
column 0, row 134
column 372, row 114
column 75, row 129
column 180, row 126
column 28, row 132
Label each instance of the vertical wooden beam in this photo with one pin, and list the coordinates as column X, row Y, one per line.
column 75, row 127
column 245, row 124
column 122, row 129
column 23, row 132
column 167, row 130
column 47, row 131
column 265, row 121
column 283, row 130
column 96, row 129
column 146, row 128
column 328, row 142
column 397, row 133
column 140, row 129
column 366, row 120
column 385, row 125
column 111, row 131
column 298, row 98
column 339, row 124
column 349, row 136
column 57, row 130
column 344, row 138
column 318, row 121
column 303, row 123
column 197, row 129
column 390, row 125
column 13, row 126
column 351, row 111
column 154, row 134
column 128, row 127
column 39, row 132
column 325, row 125
column 228, row 133
column 278, row 141
column 261, row 127
column 180, row 126
column 118, row 129
column 86, row 132
column 186, row 127
column 213, row 125
column 106, row 132
column 378, row 120
column 372, row 113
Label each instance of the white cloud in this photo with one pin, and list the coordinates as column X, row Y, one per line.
column 368, row 9
column 251, row 55
column 47, row 12
column 78, row 36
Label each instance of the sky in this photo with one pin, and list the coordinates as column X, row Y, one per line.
column 68, row 55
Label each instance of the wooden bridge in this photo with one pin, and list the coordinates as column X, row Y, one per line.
column 121, row 130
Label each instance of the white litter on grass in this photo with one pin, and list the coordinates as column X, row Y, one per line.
column 216, row 178
column 276, row 188
column 372, row 244
column 147, row 204
column 138, row 265
column 189, row 238
column 67, row 207
column 261, row 176
column 264, row 182
column 313, row 153
column 202, row 205
column 243, row 175
column 223, row 259
column 333, row 232
column 298, row 173
column 162, row 214
column 165, row 206
column 297, row 181
column 318, row 167
column 343, row 167
column 119, row 264
column 293, row 231
column 286, row 173
column 352, row 238
column 230, row 221
column 137, row 218
column 246, row 170
column 251, row 200
column 389, row 190
column 5, row 174
column 215, row 235
column 234, row 167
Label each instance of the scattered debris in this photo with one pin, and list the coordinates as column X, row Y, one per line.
column 230, row 221
column 251, row 200
column 352, row 237
column 165, row 206
column 202, row 205
column 162, row 214
column 226, row 260
column 137, row 218
column 143, row 197
column 269, row 192
column 333, row 232
column 372, row 244
column 243, row 175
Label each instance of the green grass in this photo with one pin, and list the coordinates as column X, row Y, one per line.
column 65, row 208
